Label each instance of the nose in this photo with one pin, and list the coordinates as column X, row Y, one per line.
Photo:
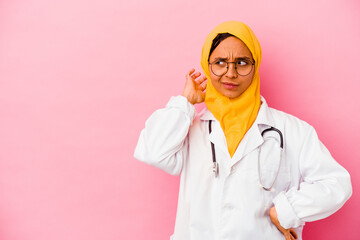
column 231, row 72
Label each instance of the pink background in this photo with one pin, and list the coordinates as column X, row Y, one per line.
column 79, row 78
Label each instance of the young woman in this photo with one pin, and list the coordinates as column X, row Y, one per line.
column 248, row 171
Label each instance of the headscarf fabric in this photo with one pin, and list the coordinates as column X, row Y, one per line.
column 236, row 115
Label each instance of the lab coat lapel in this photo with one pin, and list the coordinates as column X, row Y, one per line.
column 218, row 138
column 253, row 139
column 250, row 142
column 217, row 135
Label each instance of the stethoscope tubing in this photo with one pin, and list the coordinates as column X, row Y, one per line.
column 216, row 166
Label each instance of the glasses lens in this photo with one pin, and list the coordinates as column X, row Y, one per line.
column 244, row 67
column 219, row 67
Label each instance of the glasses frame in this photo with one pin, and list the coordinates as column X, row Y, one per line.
column 227, row 67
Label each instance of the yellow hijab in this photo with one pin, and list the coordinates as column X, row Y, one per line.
column 235, row 115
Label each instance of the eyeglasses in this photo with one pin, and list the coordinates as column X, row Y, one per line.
column 243, row 67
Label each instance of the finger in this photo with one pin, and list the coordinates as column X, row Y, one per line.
column 201, row 80
column 288, row 236
column 191, row 71
column 196, row 75
column 293, row 233
column 188, row 75
column 203, row 85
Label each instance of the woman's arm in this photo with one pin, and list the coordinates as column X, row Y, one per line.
column 324, row 189
column 163, row 141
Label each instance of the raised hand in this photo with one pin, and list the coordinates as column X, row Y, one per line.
column 195, row 86
column 289, row 234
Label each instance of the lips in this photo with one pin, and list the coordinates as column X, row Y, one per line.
column 229, row 85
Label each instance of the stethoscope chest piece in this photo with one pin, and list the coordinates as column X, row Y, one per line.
column 216, row 168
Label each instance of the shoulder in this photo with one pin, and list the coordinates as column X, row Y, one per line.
column 203, row 116
column 278, row 118
column 299, row 136
column 281, row 117
column 291, row 126
column 199, row 125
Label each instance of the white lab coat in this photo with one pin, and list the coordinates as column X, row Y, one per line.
column 310, row 184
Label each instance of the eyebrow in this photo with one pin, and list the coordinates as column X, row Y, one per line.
column 238, row 58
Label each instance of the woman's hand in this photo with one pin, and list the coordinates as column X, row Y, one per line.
column 289, row 234
column 195, row 87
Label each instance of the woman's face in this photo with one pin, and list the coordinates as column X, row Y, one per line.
column 231, row 84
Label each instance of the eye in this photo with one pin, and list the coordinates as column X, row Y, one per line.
column 242, row 62
column 220, row 63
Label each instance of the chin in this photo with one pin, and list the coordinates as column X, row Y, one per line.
column 231, row 95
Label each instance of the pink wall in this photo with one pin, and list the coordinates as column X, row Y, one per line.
column 78, row 79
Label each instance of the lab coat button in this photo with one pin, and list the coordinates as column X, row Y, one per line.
column 228, row 206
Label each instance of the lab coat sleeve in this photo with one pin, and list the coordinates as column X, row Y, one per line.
column 163, row 141
column 324, row 188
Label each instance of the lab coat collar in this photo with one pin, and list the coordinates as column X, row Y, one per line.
column 264, row 116
column 206, row 115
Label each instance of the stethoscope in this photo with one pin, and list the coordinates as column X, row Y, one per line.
column 216, row 165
